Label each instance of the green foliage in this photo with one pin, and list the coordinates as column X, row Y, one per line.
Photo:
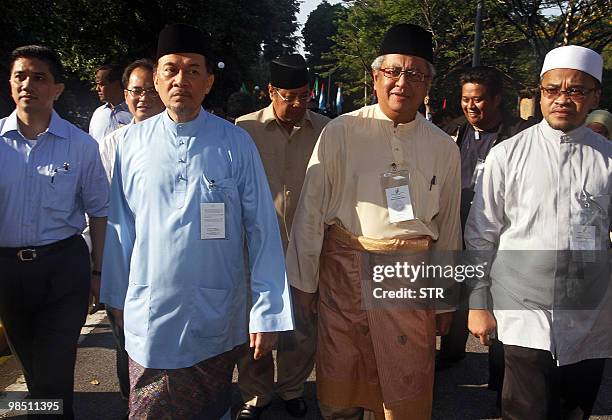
column 88, row 33
column 517, row 34
column 318, row 31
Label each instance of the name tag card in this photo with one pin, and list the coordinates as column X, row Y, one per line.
column 399, row 204
column 212, row 220
column 583, row 238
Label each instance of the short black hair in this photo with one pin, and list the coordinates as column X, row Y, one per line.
column 144, row 63
column 41, row 53
column 487, row 76
column 115, row 71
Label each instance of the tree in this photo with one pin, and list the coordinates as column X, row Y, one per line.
column 87, row 33
column 318, row 31
column 452, row 26
column 517, row 34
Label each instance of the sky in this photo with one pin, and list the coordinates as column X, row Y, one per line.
column 306, row 7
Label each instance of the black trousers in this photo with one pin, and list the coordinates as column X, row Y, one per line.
column 43, row 305
column 122, row 365
column 536, row 388
column 452, row 345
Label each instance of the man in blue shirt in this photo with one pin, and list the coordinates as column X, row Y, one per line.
column 52, row 176
column 188, row 189
column 114, row 112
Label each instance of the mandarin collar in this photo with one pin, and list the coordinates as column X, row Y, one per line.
column 576, row 135
column 189, row 128
column 388, row 124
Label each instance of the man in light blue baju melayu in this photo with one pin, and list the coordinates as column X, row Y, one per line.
column 188, row 189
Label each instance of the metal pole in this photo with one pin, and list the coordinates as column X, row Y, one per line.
column 478, row 34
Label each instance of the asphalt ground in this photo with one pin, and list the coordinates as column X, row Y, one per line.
column 460, row 392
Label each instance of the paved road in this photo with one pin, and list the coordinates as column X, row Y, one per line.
column 460, row 392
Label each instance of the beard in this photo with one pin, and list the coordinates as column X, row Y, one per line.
column 183, row 110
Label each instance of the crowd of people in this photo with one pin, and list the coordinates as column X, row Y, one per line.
column 210, row 243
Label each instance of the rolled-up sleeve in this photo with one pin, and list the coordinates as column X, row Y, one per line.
column 94, row 187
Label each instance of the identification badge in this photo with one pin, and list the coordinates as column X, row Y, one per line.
column 212, row 220
column 397, row 195
column 583, row 238
column 399, row 204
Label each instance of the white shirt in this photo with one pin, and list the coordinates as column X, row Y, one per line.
column 526, row 201
column 108, row 149
column 107, row 119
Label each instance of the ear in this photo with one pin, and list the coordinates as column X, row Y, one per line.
column 155, row 80
column 209, row 83
column 375, row 75
column 270, row 91
column 596, row 98
column 59, row 89
column 126, row 95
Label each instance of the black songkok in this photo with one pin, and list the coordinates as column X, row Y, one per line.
column 288, row 72
column 180, row 38
column 407, row 39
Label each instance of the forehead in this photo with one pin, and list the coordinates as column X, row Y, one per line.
column 102, row 74
column 567, row 76
column 141, row 75
column 30, row 64
column 473, row 89
column 182, row 59
column 406, row 61
column 297, row 91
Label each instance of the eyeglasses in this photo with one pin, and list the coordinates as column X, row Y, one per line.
column 575, row 94
column 294, row 99
column 139, row 92
column 395, row 73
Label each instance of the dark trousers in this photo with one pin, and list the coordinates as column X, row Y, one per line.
column 123, row 374
column 43, row 305
column 536, row 388
column 452, row 345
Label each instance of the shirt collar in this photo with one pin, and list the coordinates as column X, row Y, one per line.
column 387, row 122
column 122, row 106
column 57, row 126
column 268, row 116
column 576, row 135
column 189, row 128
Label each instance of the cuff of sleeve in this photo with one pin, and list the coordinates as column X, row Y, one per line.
column 270, row 324
column 113, row 301
column 479, row 298
column 99, row 213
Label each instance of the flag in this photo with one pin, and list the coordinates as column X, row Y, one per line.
column 243, row 88
column 315, row 90
column 322, row 97
column 339, row 100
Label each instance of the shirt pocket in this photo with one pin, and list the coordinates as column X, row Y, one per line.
column 211, row 312
column 60, row 191
column 425, row 195
column 137, row 308
column 224, row 191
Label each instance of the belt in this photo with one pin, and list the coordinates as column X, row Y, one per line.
column 31, row 253
column 362, row 243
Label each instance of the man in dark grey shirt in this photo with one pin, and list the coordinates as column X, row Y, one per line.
column 484, row 125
